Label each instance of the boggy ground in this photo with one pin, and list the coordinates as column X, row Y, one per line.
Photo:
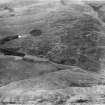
column 62, row 46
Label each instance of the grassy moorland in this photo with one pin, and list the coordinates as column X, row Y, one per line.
column 63, row 43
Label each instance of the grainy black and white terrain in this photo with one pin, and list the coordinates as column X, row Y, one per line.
column 52, row 52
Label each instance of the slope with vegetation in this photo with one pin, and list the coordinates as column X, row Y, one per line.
column 57, row 56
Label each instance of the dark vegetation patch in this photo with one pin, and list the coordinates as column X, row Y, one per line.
column 7, row 38
column 12, row 52
column 36, row 32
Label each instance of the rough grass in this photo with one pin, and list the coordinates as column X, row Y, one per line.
column 72, row 39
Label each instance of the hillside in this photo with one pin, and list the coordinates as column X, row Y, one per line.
column 52, row 52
